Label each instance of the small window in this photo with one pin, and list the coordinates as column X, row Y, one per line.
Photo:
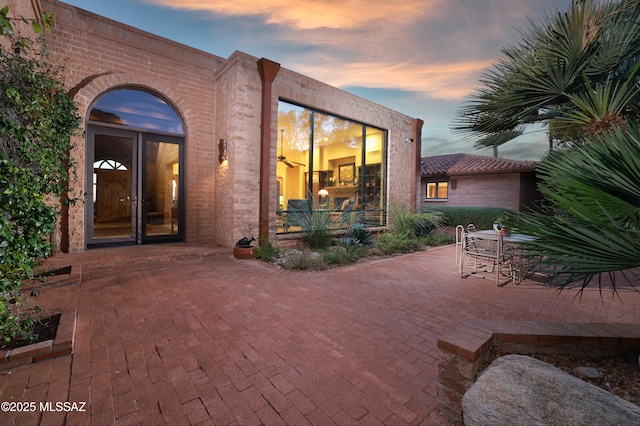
column 437, row 190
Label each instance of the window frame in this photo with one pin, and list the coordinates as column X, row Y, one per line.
column 365, row 162
column 438, row 185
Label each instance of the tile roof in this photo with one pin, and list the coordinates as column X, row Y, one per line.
column 466, row 164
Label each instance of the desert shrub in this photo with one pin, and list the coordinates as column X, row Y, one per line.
column 318, row 239
column 267, row 252
column 404, row 221
column 357, row 235
column 317, row 228
column 344, row 255
column 391, row 243
column 422, row 224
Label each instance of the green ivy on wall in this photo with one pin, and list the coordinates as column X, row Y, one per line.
column 37, row 120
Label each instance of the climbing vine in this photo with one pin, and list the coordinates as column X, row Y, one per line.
column 37, row 120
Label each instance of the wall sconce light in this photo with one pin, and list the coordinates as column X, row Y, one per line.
column 409, row 140
column 222, row 151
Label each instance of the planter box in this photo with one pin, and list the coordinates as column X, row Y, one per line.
column 61, row 345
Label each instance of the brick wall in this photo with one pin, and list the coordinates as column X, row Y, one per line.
column 238, row 121
column 238, row 104
column 239, row 97
column 117, row 56
column 490, row 190
column 502, row 190
column 216, row 99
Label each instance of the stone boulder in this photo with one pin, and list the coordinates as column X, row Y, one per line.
column 520, row 390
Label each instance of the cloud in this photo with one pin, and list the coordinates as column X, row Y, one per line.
column 309, row 14
column 437, row 47
column 430, row 53
column 451, row 81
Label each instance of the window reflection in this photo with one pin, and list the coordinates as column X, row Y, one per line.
column 437, row 190
column 329, row 170
column 136, row 108
column 162, row 183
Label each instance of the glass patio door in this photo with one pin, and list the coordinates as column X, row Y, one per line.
column 161, row 189
column 134, row 192
column 111, row 186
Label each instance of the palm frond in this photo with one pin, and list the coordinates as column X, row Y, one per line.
column 602, row 103
column 555, row 66
column 590, row 224
column 499, row 138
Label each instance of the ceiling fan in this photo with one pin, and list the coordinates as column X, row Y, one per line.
column 281, row 157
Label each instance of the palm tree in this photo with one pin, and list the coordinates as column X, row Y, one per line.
column 579, row 67
column 577, row 72
column 589, row 223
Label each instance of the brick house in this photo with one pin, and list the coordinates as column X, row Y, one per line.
column 478, row 181
column 181, row 145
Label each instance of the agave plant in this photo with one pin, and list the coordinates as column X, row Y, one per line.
column 316, row 226
column 590, row 223
column 357, row 235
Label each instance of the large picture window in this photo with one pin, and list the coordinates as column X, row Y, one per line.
column 330, row 171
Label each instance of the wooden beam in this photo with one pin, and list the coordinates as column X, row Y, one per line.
column 416, row 156
column 268, row 71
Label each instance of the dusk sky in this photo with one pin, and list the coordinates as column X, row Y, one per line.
column 420, row 57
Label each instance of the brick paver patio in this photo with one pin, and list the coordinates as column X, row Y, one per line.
column 209, row 339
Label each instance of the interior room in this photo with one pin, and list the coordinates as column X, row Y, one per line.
column 330, row 169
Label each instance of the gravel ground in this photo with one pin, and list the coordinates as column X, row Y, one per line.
column 620, row 373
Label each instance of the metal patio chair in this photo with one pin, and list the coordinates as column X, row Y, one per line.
column 485, row 258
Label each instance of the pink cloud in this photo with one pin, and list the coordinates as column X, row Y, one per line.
column 310, row 14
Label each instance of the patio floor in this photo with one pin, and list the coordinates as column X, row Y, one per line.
column 187, row 335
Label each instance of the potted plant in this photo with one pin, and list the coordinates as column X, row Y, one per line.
column 500, row 226
column 243, row 249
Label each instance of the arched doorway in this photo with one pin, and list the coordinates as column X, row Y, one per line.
column 135, row 170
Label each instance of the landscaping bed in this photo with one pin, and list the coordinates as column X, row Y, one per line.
column 620, row 374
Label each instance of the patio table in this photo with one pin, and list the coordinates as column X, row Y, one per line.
column 490, row 234
column 510, row 248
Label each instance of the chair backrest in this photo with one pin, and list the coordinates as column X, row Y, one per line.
column 346, row 205
column 298, row 205
column 480, row 247
column 298, row 212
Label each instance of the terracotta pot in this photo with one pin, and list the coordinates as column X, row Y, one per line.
column 244, row 252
